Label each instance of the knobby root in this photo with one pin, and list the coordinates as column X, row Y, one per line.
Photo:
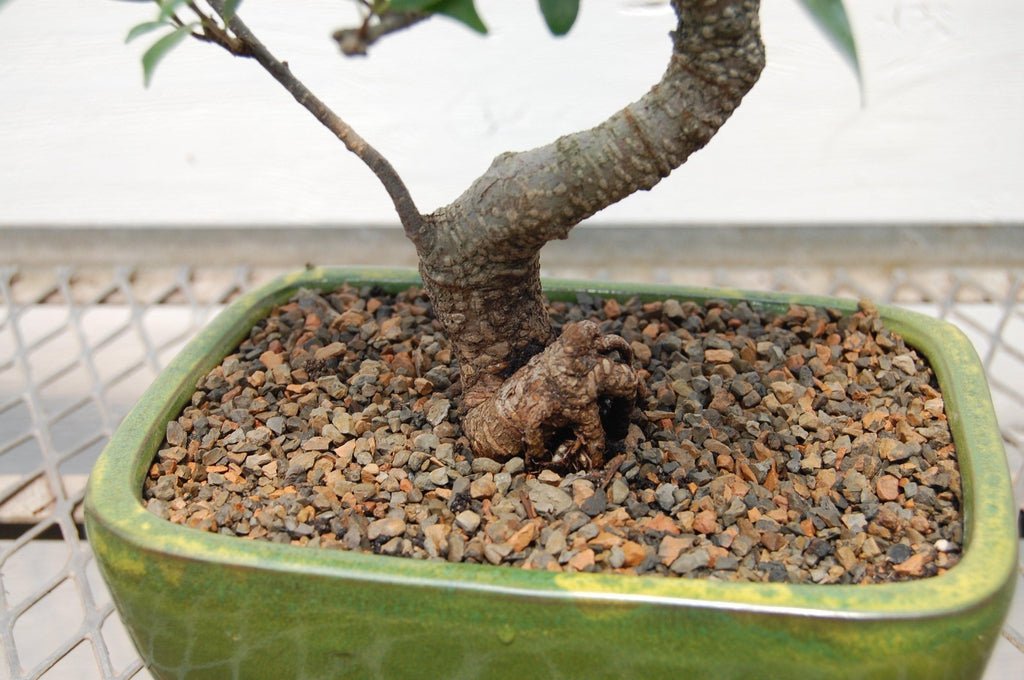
column 556, row 410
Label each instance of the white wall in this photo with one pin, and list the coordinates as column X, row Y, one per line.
column 214, row 140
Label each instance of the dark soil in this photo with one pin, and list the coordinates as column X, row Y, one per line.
column 806, row 447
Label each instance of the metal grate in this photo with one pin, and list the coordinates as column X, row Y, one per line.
column 81, row 340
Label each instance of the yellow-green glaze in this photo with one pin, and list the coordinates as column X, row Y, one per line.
column 201, row 605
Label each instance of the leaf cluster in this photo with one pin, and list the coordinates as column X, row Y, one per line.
column 560, row 15
column 178, row 30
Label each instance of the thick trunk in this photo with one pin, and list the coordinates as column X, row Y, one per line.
column 528, row 198
column 489, row 302
column 479, row 256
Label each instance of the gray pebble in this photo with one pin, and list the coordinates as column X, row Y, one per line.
column 426, row 441
column 574, row 519
column 503, row 481
column 690, row 561
column 175, row 433
column 665, row 495
column 438, row 411
column 595, row 504
column 514, row 465
column 439, row 477
column 898, row 553
column 618, row 491
column 461, row 485
column 468, row 521
column 484, row 465
column 548, row 499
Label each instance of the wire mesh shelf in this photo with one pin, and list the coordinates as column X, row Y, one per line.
column 81, row 339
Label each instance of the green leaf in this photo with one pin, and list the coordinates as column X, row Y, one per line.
column 143, row 28
column 231, row 8
column 560, row 15
column 160, row 49
column 169, row 7
column 412, row 5
column 830, row 15
column 461, row 10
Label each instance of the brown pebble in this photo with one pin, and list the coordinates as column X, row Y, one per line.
column 641, row 351
column 718, row 356
column 524, row 536
column 388, row 527
column 484, row 487
column 582, row 560
column 435, row 539
column 612, row 309
column 705, row 522
column 888, row 488
column 271, row 359
column 468, row 521
column 316, row 444
column 549, row 477
column 670, row 547
column 660, row 522
column 913, row 566
column 331, row 350
column 634, row 553
column 846, row 557
column 892, row 450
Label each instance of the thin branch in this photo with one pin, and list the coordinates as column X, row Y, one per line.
column 355, row 41
column 412, row 220
column 212, row 32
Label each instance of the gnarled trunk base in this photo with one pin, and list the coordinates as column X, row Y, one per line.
column 550, row 411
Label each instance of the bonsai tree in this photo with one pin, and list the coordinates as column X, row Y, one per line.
column 552, row 400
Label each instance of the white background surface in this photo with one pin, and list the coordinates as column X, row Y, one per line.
column 215, row 140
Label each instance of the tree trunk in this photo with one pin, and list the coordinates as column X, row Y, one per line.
column 525, row 393
column 479, row 256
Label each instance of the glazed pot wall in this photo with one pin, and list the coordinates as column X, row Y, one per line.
column 208, row 620
column 205, row 605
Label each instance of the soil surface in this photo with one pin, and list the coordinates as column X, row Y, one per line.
column 803, row 447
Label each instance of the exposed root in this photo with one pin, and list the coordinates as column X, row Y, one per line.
column 556, row 410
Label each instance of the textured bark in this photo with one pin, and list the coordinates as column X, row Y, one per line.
column 490, row 303
column 526, row 199
column 480, row 255
column 551, row 409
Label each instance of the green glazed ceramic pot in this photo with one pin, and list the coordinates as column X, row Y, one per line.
column 202, row 605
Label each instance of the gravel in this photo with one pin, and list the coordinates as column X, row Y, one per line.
column 807, row 446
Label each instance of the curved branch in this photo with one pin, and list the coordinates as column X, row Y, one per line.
column 411, row 219
column 529, row 198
